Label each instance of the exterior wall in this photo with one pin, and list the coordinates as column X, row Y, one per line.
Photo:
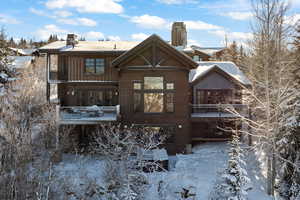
column 71, row 68
column 203, row 56
column 68, row 99
column 181, row 116
column 212, row 81
column 208, row 128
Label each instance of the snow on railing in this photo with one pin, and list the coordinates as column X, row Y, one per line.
column 226, row 110
column 216, row 107
column 87, row 114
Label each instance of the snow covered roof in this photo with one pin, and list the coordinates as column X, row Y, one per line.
column 20, row 62
column 91, row 46
column 228, row 67
column 24, row 52
column 209, row 51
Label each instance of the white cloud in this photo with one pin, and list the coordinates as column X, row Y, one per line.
column 63, row 13
column 239, row 15
column 237, row 36
column 68, row 21
column 227, row 5
column 292, row 20
column 139, row 36
column 77, row 21
column 87, row 22
column 200, row 25
column 49, row 29
column 6, row 19
column 114, row 38
column 148, row 21
column 193, row 42
column 88, row 6
column 56, row 14
column 38, row 12
column 93, row 35
column 176, row 1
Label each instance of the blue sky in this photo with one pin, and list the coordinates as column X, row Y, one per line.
column 208, row 21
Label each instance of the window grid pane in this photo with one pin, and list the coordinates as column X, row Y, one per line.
column 153, row 83
column 89, row 65
column 99, row 66
column 137, row 86
column 153, row 102
column 137, row 101
column 170, row 86
column 170, row 102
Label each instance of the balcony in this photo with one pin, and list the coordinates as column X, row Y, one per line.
column 218, row 110
column 82, row 115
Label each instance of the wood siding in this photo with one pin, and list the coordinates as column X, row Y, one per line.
column 71, row 68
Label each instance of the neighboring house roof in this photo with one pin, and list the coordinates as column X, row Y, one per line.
column 158, row 41
column 20, row 62
column 228, row 67
column 23, row 52
column 92, row 46
column 207, row 50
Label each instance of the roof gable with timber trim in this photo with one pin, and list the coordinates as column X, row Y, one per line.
column 154, row 52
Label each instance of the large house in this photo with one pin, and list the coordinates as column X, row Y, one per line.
column 169, row 87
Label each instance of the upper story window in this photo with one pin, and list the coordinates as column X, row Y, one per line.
column 94, row 65
column 153, row 83
column 197, row 58
column 153, row 95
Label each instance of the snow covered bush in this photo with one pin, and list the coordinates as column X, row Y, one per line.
column 233, row 184
column 124, row 150
column 5, row 72
column 25, row 119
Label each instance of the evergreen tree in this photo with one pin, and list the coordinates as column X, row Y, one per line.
column 22, row 44
column 52, row 38
column 234, row 181
column 82, row 39
column 289, row 175
column 231, row 53
column 12, row 43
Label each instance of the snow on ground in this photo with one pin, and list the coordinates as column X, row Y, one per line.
column 256, row 174
column 196, row 172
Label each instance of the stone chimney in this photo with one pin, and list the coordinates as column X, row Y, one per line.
column 179, row 34
column 72, row 39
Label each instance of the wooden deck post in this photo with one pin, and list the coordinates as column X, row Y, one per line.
column 57, row 127
column 47, row 77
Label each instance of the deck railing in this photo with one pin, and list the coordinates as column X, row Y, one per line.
column 219, row 108
column 87, row 114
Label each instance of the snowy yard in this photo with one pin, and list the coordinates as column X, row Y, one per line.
column 196, row 172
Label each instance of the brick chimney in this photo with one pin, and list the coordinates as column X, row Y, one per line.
column 72, row 39
column 179, row 34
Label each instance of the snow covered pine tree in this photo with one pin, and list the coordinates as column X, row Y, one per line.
column 234, row 181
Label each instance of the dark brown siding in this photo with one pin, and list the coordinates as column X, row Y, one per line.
column 179, row 117
column 71, row 68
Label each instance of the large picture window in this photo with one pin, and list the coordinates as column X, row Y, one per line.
column 94, row 65
column 153, row 102
column 216, row 96
column 153, row 95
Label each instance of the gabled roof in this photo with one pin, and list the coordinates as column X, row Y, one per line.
column 159, row 41
column 89, row 46
column 227, row 67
